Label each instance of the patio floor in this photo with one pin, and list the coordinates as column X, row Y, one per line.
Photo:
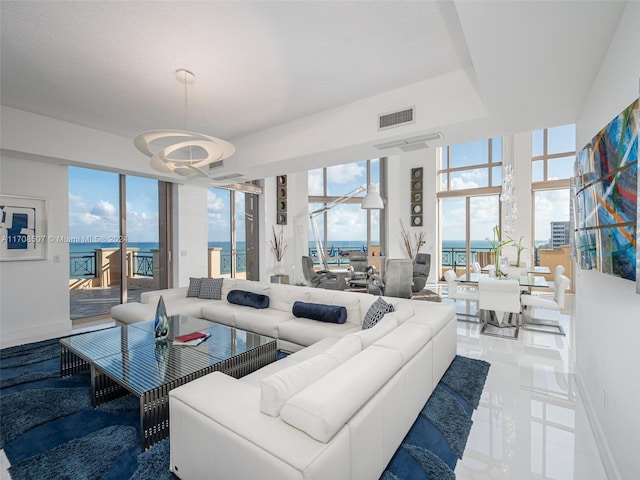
column 90, row 302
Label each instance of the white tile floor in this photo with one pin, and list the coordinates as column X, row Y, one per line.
column 531, row 422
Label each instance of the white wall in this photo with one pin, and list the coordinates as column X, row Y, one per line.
column 296, row 231
column 34, row 295
column 399, row 200
column 607, row 308
column 190, row 234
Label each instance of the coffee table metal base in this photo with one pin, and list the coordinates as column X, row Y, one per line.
column 154, row 404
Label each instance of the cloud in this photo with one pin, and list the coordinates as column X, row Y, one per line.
column 349, row 172
column 315, row 182
column 217, row 217
column 469, row 179
column 104, row 209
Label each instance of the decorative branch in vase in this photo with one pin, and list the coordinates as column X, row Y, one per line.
column 278, row 248
column 496, row 245
column 519, row 248
column 412, row 246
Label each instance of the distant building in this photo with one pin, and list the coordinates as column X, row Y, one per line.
column 559, row 235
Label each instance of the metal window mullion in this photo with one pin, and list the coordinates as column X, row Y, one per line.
column 122, row 185
column 467, row 206
column 232, row 233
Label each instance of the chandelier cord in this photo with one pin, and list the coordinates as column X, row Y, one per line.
column 186, row 116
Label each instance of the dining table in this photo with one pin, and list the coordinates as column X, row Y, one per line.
column 536, row 270
column 528, row 281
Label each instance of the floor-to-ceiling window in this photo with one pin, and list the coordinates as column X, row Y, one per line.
column 110, row 214
column 345, row 227
column 470, row 178
column 233, row 232
column 553, row 156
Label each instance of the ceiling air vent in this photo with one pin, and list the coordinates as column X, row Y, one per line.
column 396, row 119
column 217, row 164
column 228, row 176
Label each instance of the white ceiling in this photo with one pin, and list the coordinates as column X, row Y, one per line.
column 110, row 64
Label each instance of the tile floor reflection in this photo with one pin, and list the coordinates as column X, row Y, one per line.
column 531, row 422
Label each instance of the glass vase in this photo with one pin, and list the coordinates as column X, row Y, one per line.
column 161, row 324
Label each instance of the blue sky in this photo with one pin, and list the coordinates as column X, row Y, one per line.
column 94, row 206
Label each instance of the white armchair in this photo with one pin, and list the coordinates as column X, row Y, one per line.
column 560, row 285
column 500, row 298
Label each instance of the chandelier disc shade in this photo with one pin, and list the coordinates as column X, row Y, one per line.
column 182, row 152
column 188, row 153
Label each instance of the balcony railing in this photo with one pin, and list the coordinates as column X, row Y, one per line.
column 142, row 264
column 82, row 265
column 457, row 257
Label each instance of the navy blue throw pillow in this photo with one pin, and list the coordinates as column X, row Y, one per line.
column 320, row 312
column 249, row 299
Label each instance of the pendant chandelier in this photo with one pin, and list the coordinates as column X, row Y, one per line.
column 182, row 152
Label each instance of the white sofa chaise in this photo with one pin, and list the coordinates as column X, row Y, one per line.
column 337, row 408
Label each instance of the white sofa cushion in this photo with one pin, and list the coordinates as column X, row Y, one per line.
column 264, row 321
column 345, row 348
column 436, row 315
column 324, row 407
column 371, row 335
column 293, row 359
column 133, row 312
column 402, row 312
column 281, row 297
column 220, row 311
column 247, row 285
column 276, row 389
column 407, row 339
column 302, row 331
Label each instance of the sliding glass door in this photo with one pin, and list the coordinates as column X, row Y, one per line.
column 118, row 239
column 233, row 234
column 466, row 223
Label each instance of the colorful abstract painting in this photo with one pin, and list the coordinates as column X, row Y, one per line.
column 606, row 198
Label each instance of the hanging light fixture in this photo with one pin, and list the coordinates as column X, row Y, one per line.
column 183, row 152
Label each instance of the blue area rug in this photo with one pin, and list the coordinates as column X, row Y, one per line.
column 47, row 424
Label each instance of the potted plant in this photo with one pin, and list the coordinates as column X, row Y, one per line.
column 496, row 246
column 278, row 248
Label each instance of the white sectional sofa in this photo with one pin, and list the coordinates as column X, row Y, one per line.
column 337, row 408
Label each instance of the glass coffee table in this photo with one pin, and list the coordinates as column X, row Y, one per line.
column 126, row 359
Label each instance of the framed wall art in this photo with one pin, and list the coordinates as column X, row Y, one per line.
column 606, row 198
column 23, row 228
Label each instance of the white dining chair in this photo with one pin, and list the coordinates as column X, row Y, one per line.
column 529, row 302
column 559, row 270
column 502, row 299
column 475, row 267
column 456, row 291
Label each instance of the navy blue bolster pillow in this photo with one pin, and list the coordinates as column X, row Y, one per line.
column 249, row 299
column 318, row 311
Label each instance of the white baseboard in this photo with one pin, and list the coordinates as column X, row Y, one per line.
column 35, row 333
column 609, row 463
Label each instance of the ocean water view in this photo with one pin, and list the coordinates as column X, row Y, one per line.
column 336, row 250
column 146, row 247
